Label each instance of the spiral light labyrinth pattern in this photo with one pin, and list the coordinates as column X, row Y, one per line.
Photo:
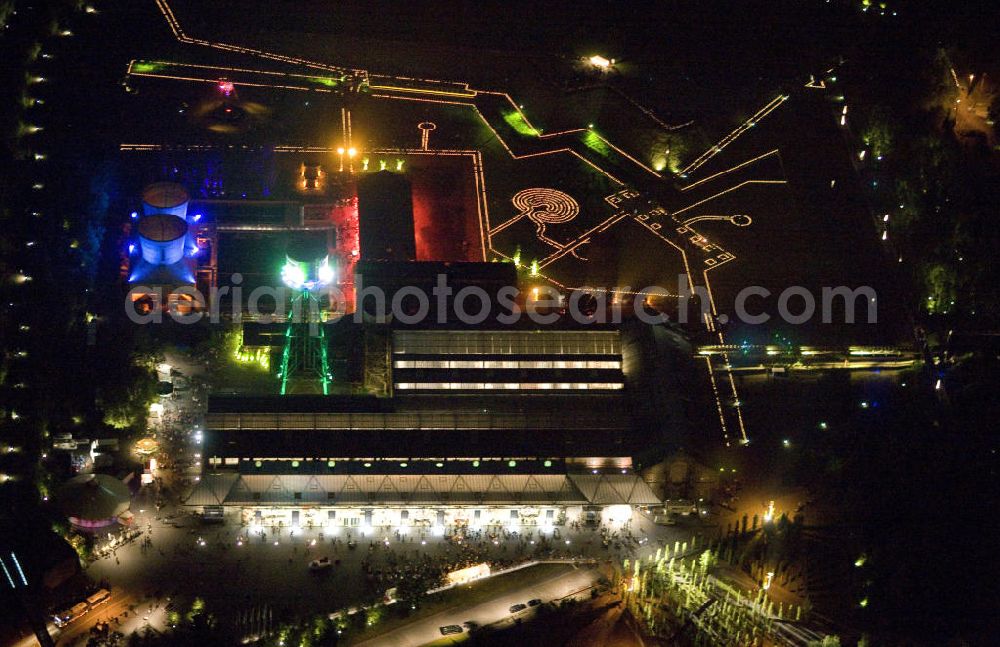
column 545, row 205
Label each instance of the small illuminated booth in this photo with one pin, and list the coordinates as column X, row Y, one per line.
column 147, row 446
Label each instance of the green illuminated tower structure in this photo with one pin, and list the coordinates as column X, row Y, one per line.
column 304, row 366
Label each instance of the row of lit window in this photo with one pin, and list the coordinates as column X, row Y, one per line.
column 413, row 420
column 509, row 364
column 510, row 386
column 535, row 342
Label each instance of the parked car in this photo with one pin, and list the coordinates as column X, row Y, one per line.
column 449, row 630
column 320, row 564
column 534, row 602
column 518, row 607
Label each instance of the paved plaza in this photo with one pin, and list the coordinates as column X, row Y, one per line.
column 234, row 570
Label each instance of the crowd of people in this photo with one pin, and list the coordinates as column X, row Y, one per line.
column 118, row 539
column 390, row 563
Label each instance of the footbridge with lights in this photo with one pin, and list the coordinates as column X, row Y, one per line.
column 780, row 359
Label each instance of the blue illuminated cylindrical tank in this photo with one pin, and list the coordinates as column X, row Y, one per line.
column 162, row 237
column 165, row 197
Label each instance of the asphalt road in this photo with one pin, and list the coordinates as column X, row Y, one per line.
column 426, row 630
column 148, row 615
column 116, row 605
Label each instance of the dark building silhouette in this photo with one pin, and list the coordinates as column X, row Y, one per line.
column 385, row 217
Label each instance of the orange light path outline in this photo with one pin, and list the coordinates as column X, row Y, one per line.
column 470, row 93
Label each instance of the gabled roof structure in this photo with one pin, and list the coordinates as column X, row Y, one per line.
column 421, row 489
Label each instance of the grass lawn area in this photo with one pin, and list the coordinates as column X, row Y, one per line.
column 229, row 375
column 463, row 596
